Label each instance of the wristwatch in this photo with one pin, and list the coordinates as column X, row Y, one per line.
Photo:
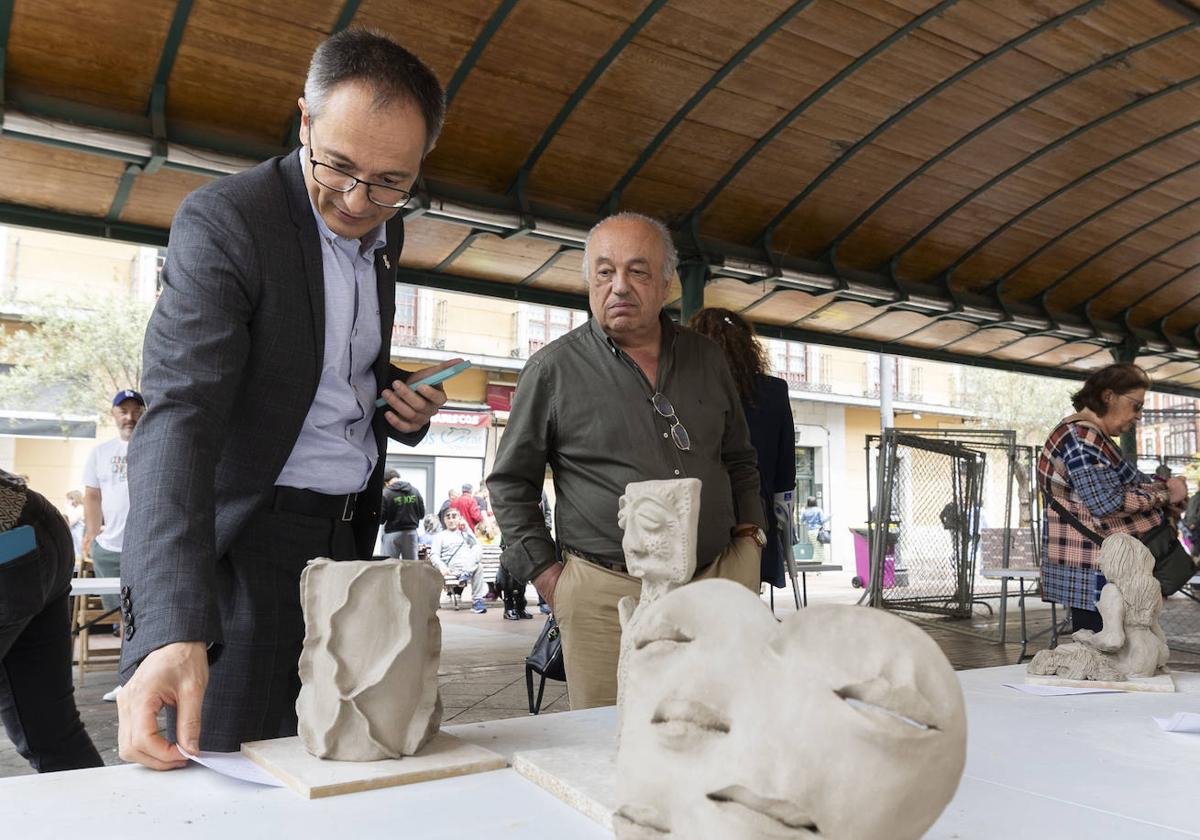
column 753, row 532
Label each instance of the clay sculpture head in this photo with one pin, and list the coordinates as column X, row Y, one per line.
column 840, row 722
column 660, row 519
column 368, row 669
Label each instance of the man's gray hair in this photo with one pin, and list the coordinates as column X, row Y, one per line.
column 394, row 74
column 670, row 255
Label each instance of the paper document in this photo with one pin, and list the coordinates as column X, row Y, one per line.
column 235, row 765
column 1181, row 722
column 1054, row 690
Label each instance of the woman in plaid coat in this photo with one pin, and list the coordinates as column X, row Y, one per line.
column 1084, row 472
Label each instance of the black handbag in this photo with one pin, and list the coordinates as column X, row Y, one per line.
column 546, row 660
column 1173, row 565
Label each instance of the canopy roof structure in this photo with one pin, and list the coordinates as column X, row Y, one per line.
column 1013, row 184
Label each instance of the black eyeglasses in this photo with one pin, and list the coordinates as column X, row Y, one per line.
column 335, row 179
column 667, row 411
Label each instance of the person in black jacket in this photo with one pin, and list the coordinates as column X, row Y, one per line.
column 403, row 509
column 769, row 415
column 37, row 697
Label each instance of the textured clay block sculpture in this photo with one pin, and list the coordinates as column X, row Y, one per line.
column 369, row 666
column 1131, row 643
column 660, row 520
column 840, row 722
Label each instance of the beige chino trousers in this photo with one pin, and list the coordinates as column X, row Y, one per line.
column 585, row 606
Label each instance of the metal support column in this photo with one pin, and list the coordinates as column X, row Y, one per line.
column 693, row 276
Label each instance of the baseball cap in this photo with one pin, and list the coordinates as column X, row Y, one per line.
column 128, row 394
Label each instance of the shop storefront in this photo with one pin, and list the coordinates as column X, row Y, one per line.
column 451, row 455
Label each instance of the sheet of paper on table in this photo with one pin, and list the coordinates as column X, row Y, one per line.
column 1181, row 722
column 1056, row 690
column 235, row 765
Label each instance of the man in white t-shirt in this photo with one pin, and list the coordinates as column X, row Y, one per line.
column 106, row 495
column 455, row 551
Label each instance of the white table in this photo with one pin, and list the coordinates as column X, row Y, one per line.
column 1020, row 575
column 95, row 586
column 805, row 568
column 1084, row 766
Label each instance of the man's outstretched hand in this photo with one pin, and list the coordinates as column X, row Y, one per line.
column 174, row 675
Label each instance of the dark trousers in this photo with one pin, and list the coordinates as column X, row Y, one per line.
column 253, row 676
column 512, row 590
column 37, row 696
column 1085, row 620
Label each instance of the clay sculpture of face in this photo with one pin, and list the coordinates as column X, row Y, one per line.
column 660, row 519
column 368, row 669
column 840, row 722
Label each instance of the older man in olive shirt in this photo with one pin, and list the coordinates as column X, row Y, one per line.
column 627, row 397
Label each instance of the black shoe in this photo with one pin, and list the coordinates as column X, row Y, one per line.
column 523, row 614
column 511, row 615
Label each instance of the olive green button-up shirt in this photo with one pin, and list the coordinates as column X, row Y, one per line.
column 583, row 407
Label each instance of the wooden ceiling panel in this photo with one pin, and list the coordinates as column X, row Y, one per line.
column 506, row 260
column 103, row 52
column 734, row 294
column 1067, row 355
column 890, row 325
column 240, row 70
column 940, row 333
column 984, row 340
column 154, row 198
column 57, row 179
column 842, row 317
column 787, row 307
column 428, row 242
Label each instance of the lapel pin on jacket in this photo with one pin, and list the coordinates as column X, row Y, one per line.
column 387, row 263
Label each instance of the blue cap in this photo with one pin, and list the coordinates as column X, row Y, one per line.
column 128, row 394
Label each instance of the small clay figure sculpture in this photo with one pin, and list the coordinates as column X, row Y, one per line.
column 369, row 665
column 660, row 519
column 736, row 727
column 1131, row 643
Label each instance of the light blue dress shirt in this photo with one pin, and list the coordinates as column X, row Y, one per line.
column 336, row 451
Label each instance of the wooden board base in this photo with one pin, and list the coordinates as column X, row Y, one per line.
column 314, row 778
column 585, row 777
column 1160, row 683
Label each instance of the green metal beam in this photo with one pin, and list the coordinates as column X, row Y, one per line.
column 156, row 109
column 613, row 202
column 851, row 343
column 693, row 276
column 6, row 12
column 545, row 266
column 490, row 288
column 477, row 47
column 598, row 70
column 849, row 154
column 983, row 127
column 792, row 115
column 33, row 217
column 124, row 187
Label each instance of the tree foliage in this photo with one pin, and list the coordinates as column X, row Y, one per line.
column 1030, row 405
column 70, row 361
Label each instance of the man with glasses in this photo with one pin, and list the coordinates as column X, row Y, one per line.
column 262, row 445
column 627, row 397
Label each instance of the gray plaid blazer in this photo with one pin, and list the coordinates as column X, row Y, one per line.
column 232, row 360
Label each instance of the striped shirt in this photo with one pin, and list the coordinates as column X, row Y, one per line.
column 1086, row 473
